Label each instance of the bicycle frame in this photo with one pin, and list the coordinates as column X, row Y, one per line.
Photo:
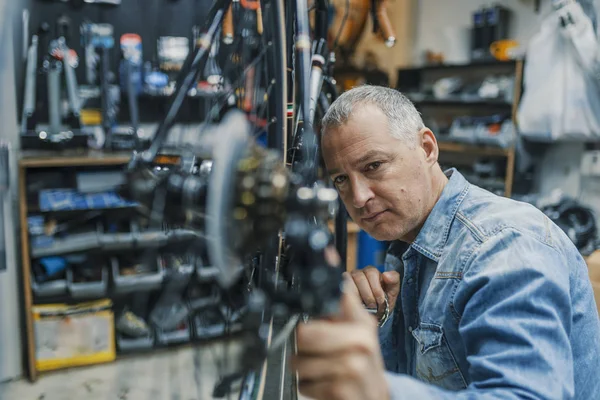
column 312, row 69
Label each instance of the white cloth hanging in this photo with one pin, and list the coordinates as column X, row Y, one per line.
column 561, row 100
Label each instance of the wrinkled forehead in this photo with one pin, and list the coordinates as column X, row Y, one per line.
column 364, row 133
column 349, row 149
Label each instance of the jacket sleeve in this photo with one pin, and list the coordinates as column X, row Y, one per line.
column 515, row 322
column 391, row 335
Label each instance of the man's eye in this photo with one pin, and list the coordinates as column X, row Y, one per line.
column 338, row 180
column 373, row 166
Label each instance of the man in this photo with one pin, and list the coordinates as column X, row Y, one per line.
column 495, row 303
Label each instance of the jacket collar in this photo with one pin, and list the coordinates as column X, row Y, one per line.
column 434, row 234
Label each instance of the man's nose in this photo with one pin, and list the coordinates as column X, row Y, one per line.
column 361, row 193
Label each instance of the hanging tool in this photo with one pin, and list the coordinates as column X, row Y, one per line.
column 62, row 62
column 27, row 122
column 228, row 26
column 4, row 184
column 98, row 38
column 56, row 57
column 93, row 37
column 131, row 82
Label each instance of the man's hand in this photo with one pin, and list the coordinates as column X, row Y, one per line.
column 340, row 358
column 372, row 286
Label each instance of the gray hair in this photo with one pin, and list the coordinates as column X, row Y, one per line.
column 403, row 118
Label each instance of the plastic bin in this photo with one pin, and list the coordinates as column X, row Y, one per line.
column 126, row 345
column 47, row 246
column 134, row 283
column 55, row 287
column 180, row 335
column 210, row 323
column 503, row 137
column 88, row 290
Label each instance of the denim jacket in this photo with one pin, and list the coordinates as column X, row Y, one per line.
column 496, row 303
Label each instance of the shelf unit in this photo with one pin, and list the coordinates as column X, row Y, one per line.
column 486, row 151
column 416, row 84
column 114, row 281
column 31, row 160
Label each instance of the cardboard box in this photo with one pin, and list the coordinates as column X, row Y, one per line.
column 73, row 335
column 593, row 262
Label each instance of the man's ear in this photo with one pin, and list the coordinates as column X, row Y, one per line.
column 429, row 145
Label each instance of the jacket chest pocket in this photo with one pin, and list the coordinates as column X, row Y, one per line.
column 435, row 363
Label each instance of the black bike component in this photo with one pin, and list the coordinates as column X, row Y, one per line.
column 107, row 114
column 190, row 71
column 308, row 165
column 133, row 105
column 277, row 136
column 341, row 233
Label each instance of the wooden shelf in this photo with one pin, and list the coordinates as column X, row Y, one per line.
column 351, row 226
column 32, row 159
column 462, row 103
column 474, row 149
column 72, row 158
column 471, row 65
column 415, row 81
column 489, row 151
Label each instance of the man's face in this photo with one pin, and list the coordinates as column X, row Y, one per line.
column 386, row 185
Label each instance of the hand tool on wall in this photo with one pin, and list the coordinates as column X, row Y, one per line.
column 55, row 57
column 4, row 183
column 63, row 59
column 93, row 37
column 131, row 83
column 72, row 87
column 27, row 122
column 228, row 26
column 98, row 38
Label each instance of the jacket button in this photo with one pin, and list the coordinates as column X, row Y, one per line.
column 410, row 329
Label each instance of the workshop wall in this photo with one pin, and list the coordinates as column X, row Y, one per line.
column 148, row 18
column 10, row 338
column 439, row 23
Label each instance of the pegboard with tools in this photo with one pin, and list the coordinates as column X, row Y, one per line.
column 150, row 20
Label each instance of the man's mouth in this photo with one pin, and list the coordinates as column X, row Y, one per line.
column 374, row 216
